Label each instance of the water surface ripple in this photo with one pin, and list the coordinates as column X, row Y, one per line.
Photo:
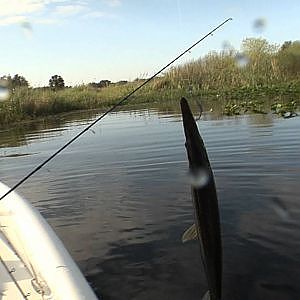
column 119, row 199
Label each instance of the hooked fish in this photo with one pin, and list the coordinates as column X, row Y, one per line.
column 204, row 195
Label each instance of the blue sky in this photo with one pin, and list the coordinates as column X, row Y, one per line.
column 86, row 41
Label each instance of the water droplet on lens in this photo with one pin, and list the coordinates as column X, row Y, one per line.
column 227, row 47
column 200, row 178
column 4, row 91
column 259, row 25
column 242, row 60
column 27, row 28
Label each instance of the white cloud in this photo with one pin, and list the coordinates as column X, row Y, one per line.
column 12, row 20
column 67, row 10
column 95, row 14
column 98, row 14
column 47, row 11
column 18, row 7
column 47, row 21
column 113, row 2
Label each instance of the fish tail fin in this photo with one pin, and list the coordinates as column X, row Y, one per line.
column 206, row 296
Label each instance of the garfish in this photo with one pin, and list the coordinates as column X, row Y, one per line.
column 204, row 195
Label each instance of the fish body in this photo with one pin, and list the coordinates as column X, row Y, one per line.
column 205, row 202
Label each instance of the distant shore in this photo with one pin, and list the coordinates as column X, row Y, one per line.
column 28, row 104
column 261, row 78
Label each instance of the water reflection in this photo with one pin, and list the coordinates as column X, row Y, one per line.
column 261, row 120
column 119, row 198
column 16, row 135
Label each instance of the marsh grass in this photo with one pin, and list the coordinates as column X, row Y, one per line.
column 27, row 103
column 270, row 73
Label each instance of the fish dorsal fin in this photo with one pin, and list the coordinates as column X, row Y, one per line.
column 190, row 234
column 206, row 296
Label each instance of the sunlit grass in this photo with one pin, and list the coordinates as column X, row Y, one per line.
column 268, row 72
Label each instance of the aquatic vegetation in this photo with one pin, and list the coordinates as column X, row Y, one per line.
column 235, row 108
column 232, row 109
column 286, row 110
column 256, row 107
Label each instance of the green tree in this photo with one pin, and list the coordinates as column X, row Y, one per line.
column 56, row 82
column 5, row 77
column 15, row 81
column 289, row 58
column 19, row 81
column 254, row 47
column 100, row 84
column 263, row 65
column 285, row 45
column 104, row 83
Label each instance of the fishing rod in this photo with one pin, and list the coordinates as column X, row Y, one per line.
column 110, row 110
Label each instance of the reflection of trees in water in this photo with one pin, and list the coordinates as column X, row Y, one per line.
column 214, row 107
column 263, row 120
column 172, row 107
column 17, row 134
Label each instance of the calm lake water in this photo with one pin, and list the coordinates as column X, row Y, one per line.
column 119, row 198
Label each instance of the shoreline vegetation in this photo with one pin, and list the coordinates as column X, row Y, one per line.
column 239, row 81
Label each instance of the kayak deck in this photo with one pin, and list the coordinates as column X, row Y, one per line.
column 16, row 281
column 34, row 264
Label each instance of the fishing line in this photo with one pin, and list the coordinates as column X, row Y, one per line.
column 110, row 110
column 200, row 111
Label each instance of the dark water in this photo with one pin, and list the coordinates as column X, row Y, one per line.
column 119, row 198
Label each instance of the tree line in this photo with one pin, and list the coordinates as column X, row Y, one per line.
column 56, row 82
column 258, row 63
column 264, row 63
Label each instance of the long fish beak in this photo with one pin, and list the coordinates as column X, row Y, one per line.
column 194, row 144
column 205, row 202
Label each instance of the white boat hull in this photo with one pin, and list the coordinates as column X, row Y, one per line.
column 34, row 262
